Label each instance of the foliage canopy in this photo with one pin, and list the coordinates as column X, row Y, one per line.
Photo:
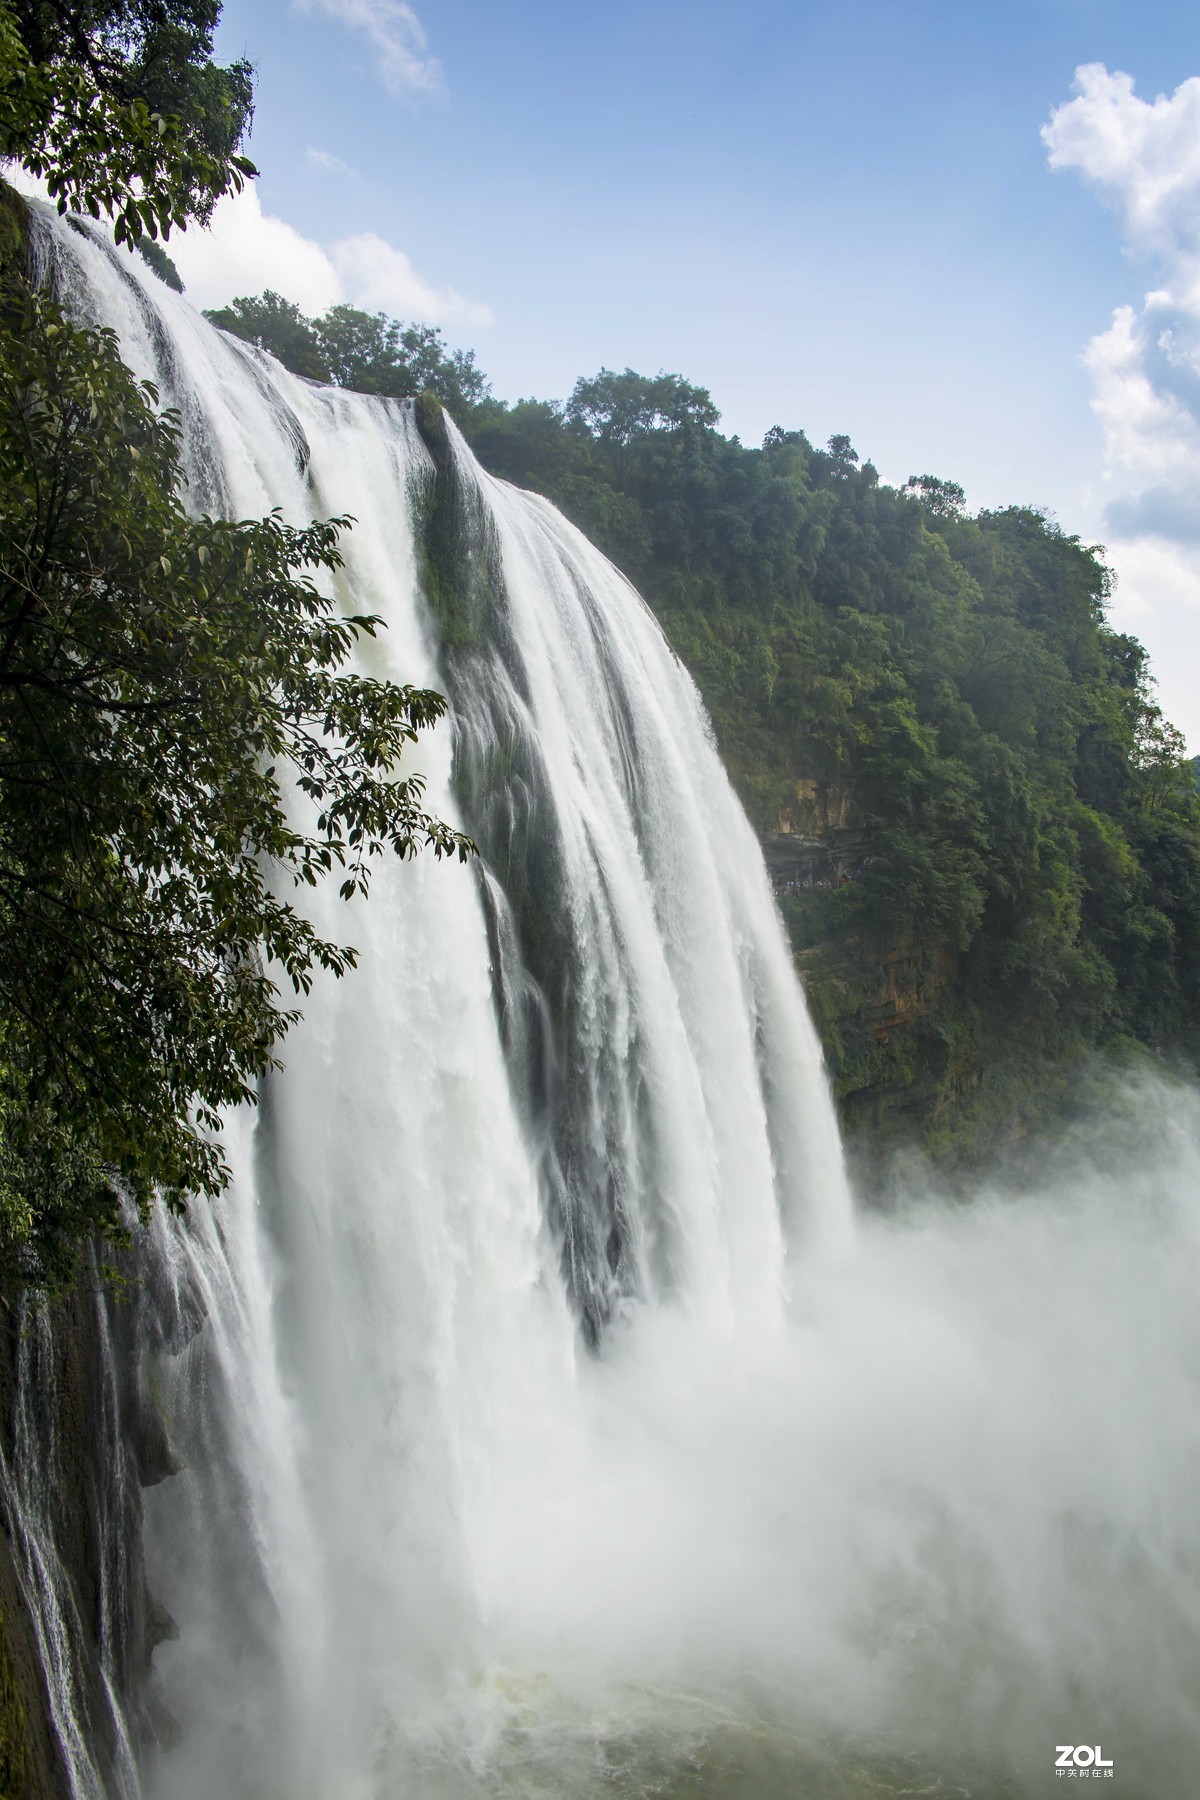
column 120, row 106
column 365, row 351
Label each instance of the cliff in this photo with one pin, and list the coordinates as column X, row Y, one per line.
column 79, row 1441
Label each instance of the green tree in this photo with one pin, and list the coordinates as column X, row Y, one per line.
column 377, row 355
column 277, row 325
column 944, row 499
column 156, row 258
column 354, row 349
column 165, row 682
column 120, row 106
column 617, row 410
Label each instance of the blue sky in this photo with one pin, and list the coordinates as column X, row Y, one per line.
column 839, row 218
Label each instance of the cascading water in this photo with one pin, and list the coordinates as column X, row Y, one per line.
column 546, row 1429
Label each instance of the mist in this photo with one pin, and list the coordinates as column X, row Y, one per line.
column 939, row 1525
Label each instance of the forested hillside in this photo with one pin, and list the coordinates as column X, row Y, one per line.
column 985, row 836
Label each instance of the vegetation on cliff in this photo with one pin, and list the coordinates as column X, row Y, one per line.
column 985, row 835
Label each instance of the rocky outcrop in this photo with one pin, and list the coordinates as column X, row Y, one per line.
column 31, row 1766
column 818, row 841
column 79, row 1440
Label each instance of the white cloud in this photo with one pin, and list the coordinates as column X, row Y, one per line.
column 325, row 159
column 1143, row 157
column 245, row 250
column 1150, row 432
column 395, row 34
column 383, row 279
column 1158, row 599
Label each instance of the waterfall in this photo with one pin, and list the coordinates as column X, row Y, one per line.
column 566, row 1088
column 544, row 1425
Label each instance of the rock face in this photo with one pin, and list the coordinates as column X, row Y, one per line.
column 873, row 991
column 819, row 841
column 31, row 1765
column 78, row 1442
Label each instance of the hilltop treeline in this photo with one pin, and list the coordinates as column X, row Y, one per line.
column 354, row 349
column 942, row 692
